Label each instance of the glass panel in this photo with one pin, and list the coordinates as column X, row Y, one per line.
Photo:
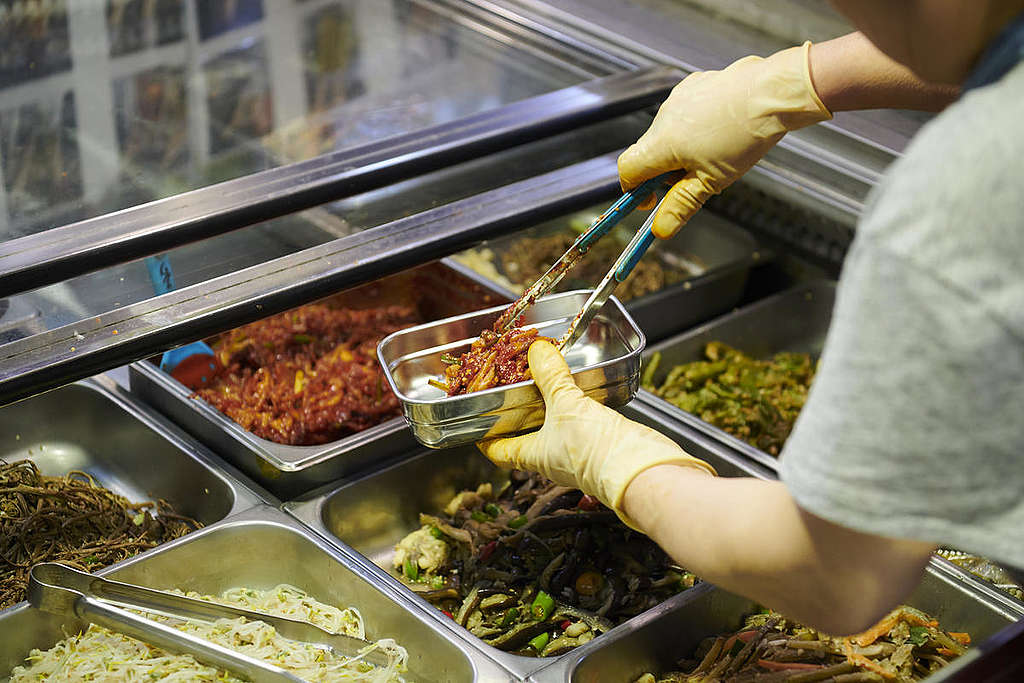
column 129, row 283
column 118, row 102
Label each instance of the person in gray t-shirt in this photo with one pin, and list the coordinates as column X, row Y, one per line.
column 913, row 433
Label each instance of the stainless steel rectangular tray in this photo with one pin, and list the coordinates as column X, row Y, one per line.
column 605, row 363
column 434, row 289
column 374, row 512
column 95, row 427
column 795, row 320
column 654, row 641
column 724, row 251
column 235, row 553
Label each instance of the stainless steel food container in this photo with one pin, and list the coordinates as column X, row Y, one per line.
column 654, row 641
column 374, row 512
column 94, row 426
column 795, row 320
column 434, row 290
column 261, row 548
column 605, row 363
column 725, row 252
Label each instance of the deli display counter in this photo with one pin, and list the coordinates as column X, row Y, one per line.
column 377, row 163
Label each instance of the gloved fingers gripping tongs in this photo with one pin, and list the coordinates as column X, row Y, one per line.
column 619, row 271
column 62, row 590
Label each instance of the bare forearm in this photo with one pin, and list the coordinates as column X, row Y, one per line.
column 850, row 73
column 750, row 537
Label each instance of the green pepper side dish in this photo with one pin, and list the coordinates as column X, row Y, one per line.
column 754, row 400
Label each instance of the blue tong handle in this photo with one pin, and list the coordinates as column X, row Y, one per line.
column 624, row 206
column 636, row 249
column 160, row 273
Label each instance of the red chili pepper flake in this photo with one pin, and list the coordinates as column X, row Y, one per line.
column 588, row 503
column 447, row 614
column 565, row 624
column 488, row 550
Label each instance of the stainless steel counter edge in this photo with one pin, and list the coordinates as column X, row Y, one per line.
column 561, row 670
column 486, row 670
column 248, row 494
column 309, row 511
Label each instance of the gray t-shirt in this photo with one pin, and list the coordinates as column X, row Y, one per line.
column 914, row 427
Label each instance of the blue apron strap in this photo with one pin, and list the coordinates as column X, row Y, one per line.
column 1001, row 55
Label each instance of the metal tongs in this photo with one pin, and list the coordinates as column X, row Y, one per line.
column 619, row 271
column 64, row 591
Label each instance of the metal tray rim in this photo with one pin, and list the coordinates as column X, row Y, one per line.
column 388, row 364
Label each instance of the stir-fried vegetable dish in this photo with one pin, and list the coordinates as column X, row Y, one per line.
column 493, row 360
column 755, row 400
column 99, row 654
column 307, row 376
column 520, row 263
column 907, row 645
column 73, row 520
column 535, row 568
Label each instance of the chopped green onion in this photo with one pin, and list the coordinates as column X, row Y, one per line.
column 479, row 516
column 437, row 582
column 543, row 605
column 540, row 641
column 412, row 569
column 492, row 509
column 301, row 338
column 518, row 521
column 436, row 533
column 919, row 635
column 509, row 617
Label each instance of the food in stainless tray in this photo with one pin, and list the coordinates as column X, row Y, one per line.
column 307, row 376
column 99, row 654
column 907, row 645
column 535, row 568
column 72, row 520
column 755, row 400
column 984, row 569
column 493, row 360
column 519, row 264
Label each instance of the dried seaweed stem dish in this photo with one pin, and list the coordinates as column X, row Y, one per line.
column 307, row 376
column 72, row 520
column 907, row 645
column 754, row 400
column 535, row 568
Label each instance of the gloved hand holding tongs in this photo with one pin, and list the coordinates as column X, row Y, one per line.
column 619, row 271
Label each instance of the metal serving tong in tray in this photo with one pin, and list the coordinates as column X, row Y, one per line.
column 619, row 271
column 64, row 591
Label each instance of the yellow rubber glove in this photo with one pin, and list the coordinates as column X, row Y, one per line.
column 715, row 125
column 583, row 443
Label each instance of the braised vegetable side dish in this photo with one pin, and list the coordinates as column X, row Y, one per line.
column 99, row 654
column 527, row 258
column 493, row 360
column 307, row 376
column 755, row 400
column 72, row 520
column 907, row 645
column 535, row 568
